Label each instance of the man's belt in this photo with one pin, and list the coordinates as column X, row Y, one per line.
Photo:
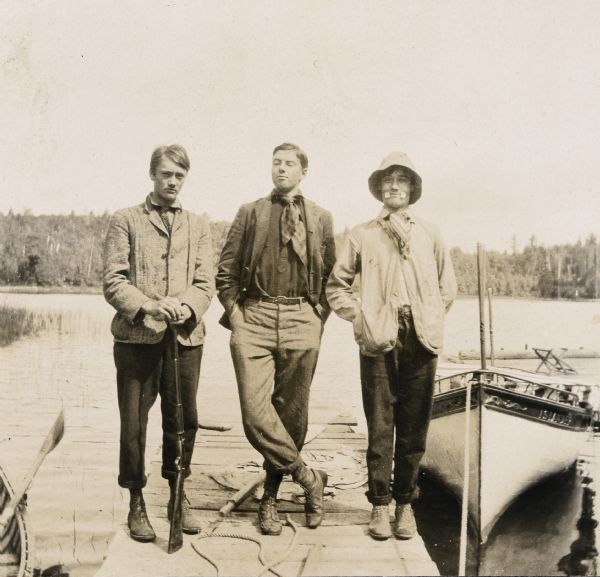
column 282, row 300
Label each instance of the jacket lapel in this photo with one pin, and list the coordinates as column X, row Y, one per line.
column 263, row 214
column 177, row 221
column 310, row 210
column 155, row 219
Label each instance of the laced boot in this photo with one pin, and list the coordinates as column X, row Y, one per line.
column 137, row 520
column 190, row 523
column 313, row 481
column 379, row 526
column 268, row 518
column 405, row 525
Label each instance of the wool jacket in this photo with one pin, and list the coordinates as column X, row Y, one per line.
column 143, row 261
column 244, row 245
column 427, row 271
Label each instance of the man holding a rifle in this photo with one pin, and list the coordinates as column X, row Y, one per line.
column 158, row 276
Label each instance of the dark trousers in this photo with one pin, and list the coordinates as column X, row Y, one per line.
column 144, row 371
column 397, row 390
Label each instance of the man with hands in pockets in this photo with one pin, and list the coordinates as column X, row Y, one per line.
column 406, row 286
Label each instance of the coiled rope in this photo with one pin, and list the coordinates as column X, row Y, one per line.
column 214, row 531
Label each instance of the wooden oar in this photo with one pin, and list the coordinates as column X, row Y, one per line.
column 52, row 439
column 242, row 494
column 213, row 426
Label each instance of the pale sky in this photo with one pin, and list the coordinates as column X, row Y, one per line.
column 497, row 104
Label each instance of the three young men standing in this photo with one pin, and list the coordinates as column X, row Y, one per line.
column 276, row 280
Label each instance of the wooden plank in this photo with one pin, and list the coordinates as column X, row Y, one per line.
column 340, row 546
column 313, row 560
column 365, row 566
column 335, row 444
column 222, row 445
column 233, row 432
column 340, row 435
column 338, row 429
column 344, row 420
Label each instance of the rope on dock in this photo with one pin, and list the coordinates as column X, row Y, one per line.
column 287, row 552
column 214, row 531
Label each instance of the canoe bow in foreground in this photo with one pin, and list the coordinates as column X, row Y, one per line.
column 15, row 554
column 524, row 427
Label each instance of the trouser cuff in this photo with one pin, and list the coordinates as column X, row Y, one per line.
column 137, row 484
column 294, row 466
column 403, row 498
column 378, row 499
column 166, row 474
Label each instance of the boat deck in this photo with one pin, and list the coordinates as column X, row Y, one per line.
column 223, row 462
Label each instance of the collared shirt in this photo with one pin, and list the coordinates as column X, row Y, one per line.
column 166, row 212
column 151, row 203
column 279, row 271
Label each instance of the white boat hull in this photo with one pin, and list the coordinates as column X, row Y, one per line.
column 513, row 445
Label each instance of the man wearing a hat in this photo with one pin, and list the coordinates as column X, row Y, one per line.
column 406, row 285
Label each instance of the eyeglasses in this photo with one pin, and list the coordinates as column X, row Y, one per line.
column 397, row 179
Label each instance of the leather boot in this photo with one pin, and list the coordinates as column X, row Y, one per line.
column 190, row 523
column 137, row 520
column 405, row 525
column 268, row 519
column 313, row 481
column 379, row 526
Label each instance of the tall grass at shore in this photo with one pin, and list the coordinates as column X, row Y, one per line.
column 17, row 323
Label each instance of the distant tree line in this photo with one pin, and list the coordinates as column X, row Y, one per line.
column 66, row 251
column 568, row 271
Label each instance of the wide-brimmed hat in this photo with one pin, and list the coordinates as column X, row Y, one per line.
column 399, row 159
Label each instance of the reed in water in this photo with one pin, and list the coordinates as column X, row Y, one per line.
column 17, row 323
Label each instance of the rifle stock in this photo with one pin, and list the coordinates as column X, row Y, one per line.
column 176, row 528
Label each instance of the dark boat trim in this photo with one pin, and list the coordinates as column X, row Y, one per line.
column 566, row 415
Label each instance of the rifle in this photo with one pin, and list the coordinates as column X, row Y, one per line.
column 176, row 528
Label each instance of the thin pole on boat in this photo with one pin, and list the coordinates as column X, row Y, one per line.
column 481, row 281
column 491, row 326
column 464, row 515
column 462, row 559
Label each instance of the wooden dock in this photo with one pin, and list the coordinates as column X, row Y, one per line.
column 223, row 461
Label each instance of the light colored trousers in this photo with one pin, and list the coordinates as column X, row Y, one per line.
column 275, row 348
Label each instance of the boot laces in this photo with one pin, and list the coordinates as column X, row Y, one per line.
column 380, row 512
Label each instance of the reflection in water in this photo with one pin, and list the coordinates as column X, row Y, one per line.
column 582, row 558
column 548, row 530
column 438, row 519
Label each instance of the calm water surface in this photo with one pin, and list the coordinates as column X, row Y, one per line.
column 77, row 484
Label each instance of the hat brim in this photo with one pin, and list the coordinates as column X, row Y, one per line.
column 375, row 186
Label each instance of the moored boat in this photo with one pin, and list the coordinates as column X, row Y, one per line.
column 523, row 427
column 15, row 553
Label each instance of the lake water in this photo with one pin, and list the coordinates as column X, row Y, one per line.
column 76, row 486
